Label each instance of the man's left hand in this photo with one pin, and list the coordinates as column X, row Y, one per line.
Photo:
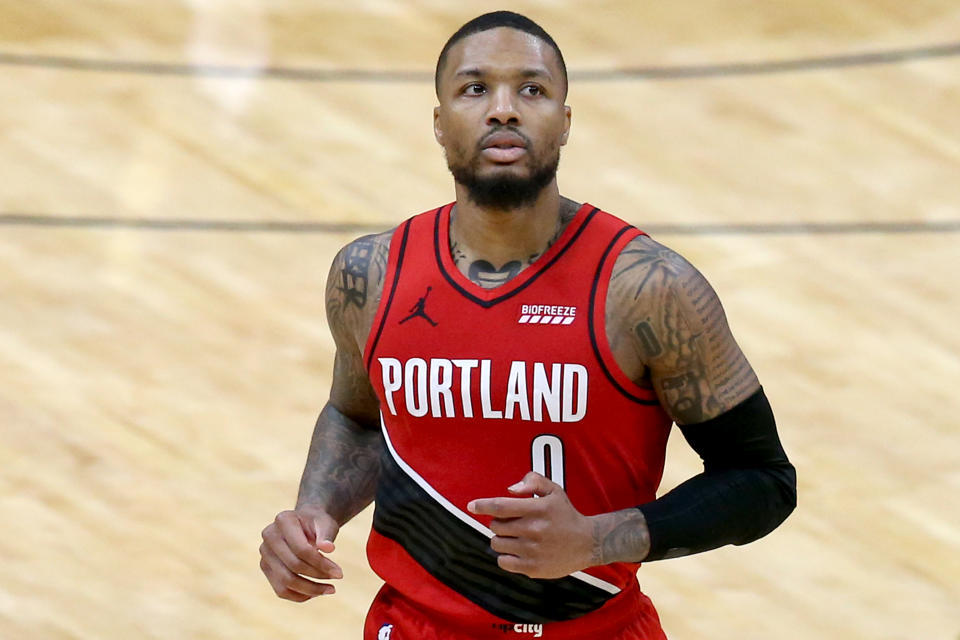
column 542, row 535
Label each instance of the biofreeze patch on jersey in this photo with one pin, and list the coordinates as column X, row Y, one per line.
column 547, row 314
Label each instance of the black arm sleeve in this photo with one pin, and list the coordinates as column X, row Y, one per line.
column 747, row 489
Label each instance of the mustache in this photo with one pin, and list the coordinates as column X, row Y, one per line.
column 500, row 129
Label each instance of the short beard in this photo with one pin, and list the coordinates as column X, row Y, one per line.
column 504, row 192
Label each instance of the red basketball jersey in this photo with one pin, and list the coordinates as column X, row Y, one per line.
column 479, row 386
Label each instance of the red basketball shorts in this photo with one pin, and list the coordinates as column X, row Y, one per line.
column 394, row 617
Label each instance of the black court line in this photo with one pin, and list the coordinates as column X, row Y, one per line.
column 317, row 227
column 186, row 224
column 892, row 56
column 677, row 72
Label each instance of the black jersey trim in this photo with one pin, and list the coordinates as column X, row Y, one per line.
column 592, row 331
column 486, row 304
column 393, row 288
column 454, row 549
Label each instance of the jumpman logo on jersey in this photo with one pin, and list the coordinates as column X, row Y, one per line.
column 417, row 310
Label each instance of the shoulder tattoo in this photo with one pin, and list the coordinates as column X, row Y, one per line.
column 678, row 328
column 356, row 279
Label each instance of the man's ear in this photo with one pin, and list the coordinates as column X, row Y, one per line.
column 566, row 127
column 437, row 131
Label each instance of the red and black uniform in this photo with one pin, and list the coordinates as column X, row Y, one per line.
column 479, row 386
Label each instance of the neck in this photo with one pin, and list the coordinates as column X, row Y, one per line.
column 505, row 235
column 492, row 246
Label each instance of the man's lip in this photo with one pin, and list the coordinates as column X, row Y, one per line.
column 503, row 155
column 504, row 140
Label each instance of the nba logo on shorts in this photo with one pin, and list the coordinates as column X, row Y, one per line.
column 385, row 631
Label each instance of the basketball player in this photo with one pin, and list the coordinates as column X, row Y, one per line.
column 508, row 368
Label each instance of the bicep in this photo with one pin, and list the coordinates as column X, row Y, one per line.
column 680, row 331
column 351, row 392
column 351, row 298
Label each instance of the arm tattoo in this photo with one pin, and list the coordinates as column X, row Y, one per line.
column 354, row 285
column 354, row 275
column 648, row 339
column 679, row 331
column 343, row 462
column 657, row 264
column 620, row 536
column 691, row 394
column 343, row 466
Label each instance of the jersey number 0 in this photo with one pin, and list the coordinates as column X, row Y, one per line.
column 547, row 453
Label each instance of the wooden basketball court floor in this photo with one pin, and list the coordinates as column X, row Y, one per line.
column 175, row 178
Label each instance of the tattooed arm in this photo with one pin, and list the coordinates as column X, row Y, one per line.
column 342, row 463
column 342, row 467
column 668, row 330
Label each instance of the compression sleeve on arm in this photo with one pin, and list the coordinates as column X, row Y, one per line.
column 747, row 489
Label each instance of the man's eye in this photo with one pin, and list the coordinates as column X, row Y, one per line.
column 473, row 89
column 532, row 90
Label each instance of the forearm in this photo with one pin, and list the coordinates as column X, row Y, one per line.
column 735, row 506
column 747, row 489
column 620, row 536
column 710, row 510
column 343, row 465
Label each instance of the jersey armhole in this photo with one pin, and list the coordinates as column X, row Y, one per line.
column 398, row 246
column 598, row 330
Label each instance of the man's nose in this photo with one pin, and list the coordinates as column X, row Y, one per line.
column 503, row 107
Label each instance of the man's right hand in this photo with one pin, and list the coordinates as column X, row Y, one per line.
column 293, row 551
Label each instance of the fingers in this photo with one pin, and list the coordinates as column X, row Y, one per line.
column 322, row 568
column 292, row 554
column 294, row 596
column 289, row 560
column 515, row 564
column 523, row 564
column 518, row 536
column 534, row 484
column 319, row 528
column 539, row 536
column 510, row 546
column 289, row 538
column 323, row 534
column 504, row 507
column 529, row 528
column 287, row 584
column 512, row 553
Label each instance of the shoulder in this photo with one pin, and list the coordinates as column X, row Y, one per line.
column 647, row 289
column 645, row 271
column 666, row 325
column 379, row 241
column 366, row 247
column 359, row 264
column 355, row 283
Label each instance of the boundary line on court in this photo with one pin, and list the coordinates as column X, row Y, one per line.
column 305, row 74
column 97, row 223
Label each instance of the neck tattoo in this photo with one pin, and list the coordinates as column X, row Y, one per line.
column 481, row 272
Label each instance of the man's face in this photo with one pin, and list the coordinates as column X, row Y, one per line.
column 501, row 119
